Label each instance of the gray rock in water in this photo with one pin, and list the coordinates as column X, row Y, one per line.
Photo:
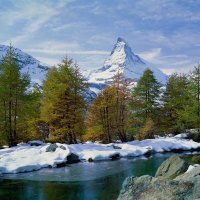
column 90, row 160
column 72, row 158
column 150, row 188
column 115, row 156
column 51, row 148
column 171, row 168
column 183, row 187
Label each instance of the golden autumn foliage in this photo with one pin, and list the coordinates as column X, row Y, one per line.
column 108, row 114
column 64, row 106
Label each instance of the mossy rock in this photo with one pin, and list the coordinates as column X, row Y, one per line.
column 196, row 159
column 171, row 168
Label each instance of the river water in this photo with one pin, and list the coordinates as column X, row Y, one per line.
column 80, row 181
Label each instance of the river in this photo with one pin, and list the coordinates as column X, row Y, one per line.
column 80, row 181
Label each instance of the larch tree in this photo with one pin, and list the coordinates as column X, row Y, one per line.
column 102, row 115
column 64, row 105
column 108, row 113
column 14, row 96
column 121, row 105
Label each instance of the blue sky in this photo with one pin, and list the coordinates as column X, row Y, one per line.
column 164, row 32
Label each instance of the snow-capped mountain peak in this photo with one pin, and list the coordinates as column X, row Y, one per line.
column 123, row 60
column 121, row 54
column 28, row 64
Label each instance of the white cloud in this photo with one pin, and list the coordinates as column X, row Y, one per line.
column 33, row 14
column 59, row 52
column 169, row 63
column 168, row 71
column 151, row 55
column 155, row 10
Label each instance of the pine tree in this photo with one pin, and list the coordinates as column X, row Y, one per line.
column 13, row 96
column 64, row 105
column 176, row 98
column 146, row 94
column 195, row 90
column 145, row 101
column 190, row 114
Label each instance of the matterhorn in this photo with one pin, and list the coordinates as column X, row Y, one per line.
column 123, row 60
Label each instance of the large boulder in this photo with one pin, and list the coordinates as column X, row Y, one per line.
column 51, row 148
column 171, row 168
column 185, row 186
column 150, row 188
column 72, row 158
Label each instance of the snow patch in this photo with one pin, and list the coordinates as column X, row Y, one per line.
column 191, row 167
column 26, row 158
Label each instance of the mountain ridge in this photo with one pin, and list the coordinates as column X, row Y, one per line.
column 28, row 64
column 121, row 59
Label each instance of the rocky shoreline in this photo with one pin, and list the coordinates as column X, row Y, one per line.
column 174, row 179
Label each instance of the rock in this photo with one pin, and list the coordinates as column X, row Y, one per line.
column 171, row 168
column 62, row 147
column 51, row 148
column 35, row 142
column 116, row 147
column 72, row 158
column 185, row 186
column 90, row 160
column 196, row 159
column 150, row 188
column 115, row 156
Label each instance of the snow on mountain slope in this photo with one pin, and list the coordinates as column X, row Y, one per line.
column 122, row 59
column 28, row 64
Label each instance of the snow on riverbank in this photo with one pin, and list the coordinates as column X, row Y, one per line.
column 163, row 144
column 26, row 157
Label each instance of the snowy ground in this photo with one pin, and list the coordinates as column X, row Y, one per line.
column 25, row 158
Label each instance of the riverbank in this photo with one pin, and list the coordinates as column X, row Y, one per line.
column 35, row 155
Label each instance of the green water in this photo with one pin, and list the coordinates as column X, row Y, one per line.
column 81, row 181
